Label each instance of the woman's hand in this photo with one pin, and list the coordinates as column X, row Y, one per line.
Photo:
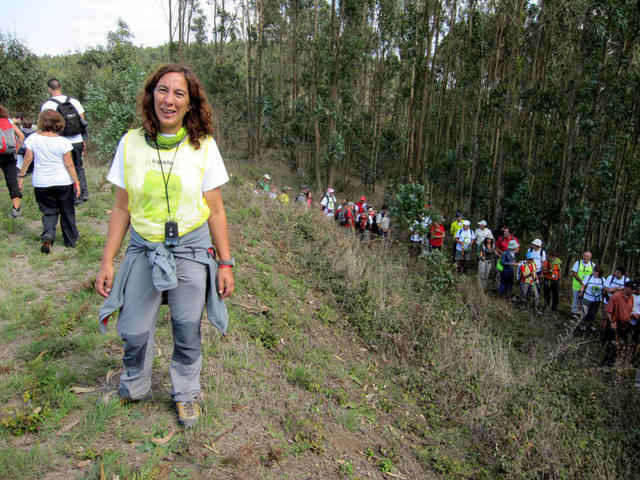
column 20, row 183
column 76, row 187
column 104, row 279
column 226, row 282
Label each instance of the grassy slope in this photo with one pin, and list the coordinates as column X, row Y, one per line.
column 339, row 363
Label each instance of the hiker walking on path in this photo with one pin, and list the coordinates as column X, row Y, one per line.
column 614, row 283
column 581, row 269
column 507, row 264
column 168, row 176
column 464, row 242
column 55, row 181
column 482, row 232
column 454, row 228
column 539, row 255
column 617, row 323
column 486, row 260
column 592, row 292
column 551, row 272
column 529, row 279
column 436, row 233
column 328, row 202
column 74, row 130
column 10, row 140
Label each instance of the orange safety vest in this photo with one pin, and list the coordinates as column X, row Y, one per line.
column 552, row 273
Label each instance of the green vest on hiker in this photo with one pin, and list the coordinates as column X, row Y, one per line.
column 582, row 270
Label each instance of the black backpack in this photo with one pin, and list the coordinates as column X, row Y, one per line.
column 73, row 120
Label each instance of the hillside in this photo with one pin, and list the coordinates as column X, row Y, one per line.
column 340, row 362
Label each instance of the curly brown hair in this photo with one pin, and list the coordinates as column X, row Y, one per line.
column 197, row 121
column 50, row 121
column 4, row 113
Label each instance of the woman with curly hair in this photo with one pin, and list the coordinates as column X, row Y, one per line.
column 168, row 176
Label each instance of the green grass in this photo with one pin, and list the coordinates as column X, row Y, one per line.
column 334, row 364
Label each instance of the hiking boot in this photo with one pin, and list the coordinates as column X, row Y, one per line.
column 129, row 401
column 46, row 247
column 188, row 413
column 16, row 212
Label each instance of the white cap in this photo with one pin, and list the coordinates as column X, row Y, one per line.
column 267, row 176
column 537, row 242
column 466, row 223
column 483, row 223
column 330, row 190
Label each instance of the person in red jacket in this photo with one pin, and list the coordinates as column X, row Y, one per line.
column 437, row 233
column 502, row 243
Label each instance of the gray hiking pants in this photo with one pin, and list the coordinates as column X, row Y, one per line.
column 137, row 325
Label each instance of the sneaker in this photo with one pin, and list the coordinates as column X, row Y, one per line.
column 46, row 247
column 188, row 413
column 16, row 212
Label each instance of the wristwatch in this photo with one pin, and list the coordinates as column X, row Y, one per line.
column 228, row 263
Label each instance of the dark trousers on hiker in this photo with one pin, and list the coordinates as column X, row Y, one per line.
column 54, row 202
column 590, row 312
column 506, row 283
column 76, row 154
column 614, row 341
column 8, row 166
column 551, row 293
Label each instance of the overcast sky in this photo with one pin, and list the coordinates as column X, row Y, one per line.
column 62, row 26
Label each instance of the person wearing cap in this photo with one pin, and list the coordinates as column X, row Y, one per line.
column 482, row 232
column 581, row 269
column 539, row 255
column 618, row 322
column 264, row 184
column 508, row 261
column 328, row 202
column 529, row 278
column 464, row 241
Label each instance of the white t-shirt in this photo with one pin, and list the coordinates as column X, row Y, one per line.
column 466, row 237
column 482, row 233
column 49, row 169
column 636, row 309
column 613, row 282
column 50, row 105
column 594, row 288
column 214, row 176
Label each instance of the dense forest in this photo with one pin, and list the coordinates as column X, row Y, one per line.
column 524, row 112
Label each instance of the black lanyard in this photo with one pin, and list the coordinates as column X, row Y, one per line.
column 166, row 180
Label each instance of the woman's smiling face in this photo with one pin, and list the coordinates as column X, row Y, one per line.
column 171, row 101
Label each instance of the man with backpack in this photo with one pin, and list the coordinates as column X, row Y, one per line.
column 581, row 270
column 75, row 129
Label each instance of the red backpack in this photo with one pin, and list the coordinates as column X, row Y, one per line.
column 7, row 137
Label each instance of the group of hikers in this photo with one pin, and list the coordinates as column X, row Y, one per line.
column 357, row 217
column 53, row 153
column 537, row 276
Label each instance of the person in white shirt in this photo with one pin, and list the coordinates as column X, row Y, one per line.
column 482, row 232
column 75, row 128
column 539, row 255
column 329, row 202
column 592, row 292
column 464, row 240
column 614, row 283
column 55, row 181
